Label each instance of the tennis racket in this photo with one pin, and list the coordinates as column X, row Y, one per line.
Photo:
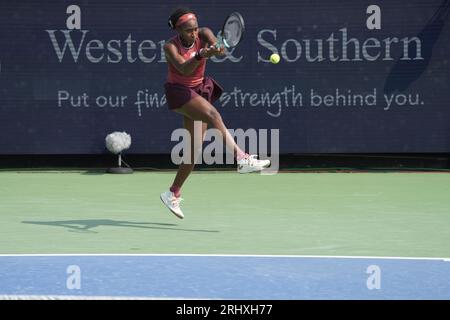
column 232, row 31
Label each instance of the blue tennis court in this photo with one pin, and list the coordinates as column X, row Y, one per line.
column 222, row 277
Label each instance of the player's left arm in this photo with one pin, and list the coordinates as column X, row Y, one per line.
column 207, row 36
column 209, row 39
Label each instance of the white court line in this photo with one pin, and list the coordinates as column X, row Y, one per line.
column 63, row 297
column 213, row 255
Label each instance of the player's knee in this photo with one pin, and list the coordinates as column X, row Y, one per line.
column 213, row 116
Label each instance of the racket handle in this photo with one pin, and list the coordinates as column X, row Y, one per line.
column 219, row 42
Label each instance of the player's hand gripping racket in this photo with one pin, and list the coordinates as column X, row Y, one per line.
column 232, row 31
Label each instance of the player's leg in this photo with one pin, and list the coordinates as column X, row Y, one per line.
column 172, row 197
column 197, row 137
column 199, row 108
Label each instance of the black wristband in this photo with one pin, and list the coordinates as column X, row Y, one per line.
column 198, row 56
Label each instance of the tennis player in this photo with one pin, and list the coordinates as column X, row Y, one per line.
column 191, row 94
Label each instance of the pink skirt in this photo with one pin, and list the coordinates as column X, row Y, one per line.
column 178, row 95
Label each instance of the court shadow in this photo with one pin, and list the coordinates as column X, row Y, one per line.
column 86, row 226
column 404, row 73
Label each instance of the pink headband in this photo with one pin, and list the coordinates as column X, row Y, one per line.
column 184, row 18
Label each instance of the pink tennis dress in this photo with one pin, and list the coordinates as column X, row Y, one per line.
column 180, row 89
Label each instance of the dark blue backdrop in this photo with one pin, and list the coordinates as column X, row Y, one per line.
column 118, row 52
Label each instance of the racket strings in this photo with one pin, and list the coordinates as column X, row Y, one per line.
column 232, row 31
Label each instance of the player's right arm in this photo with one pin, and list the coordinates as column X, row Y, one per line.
column 185, row 67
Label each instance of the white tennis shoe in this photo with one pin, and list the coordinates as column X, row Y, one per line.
column 173, row 203
column 251, row 164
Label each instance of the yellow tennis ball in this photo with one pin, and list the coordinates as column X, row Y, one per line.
column 274, row 58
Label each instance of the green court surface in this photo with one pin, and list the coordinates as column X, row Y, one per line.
column 351, row 214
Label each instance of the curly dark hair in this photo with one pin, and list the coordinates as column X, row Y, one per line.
column 176, row 14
